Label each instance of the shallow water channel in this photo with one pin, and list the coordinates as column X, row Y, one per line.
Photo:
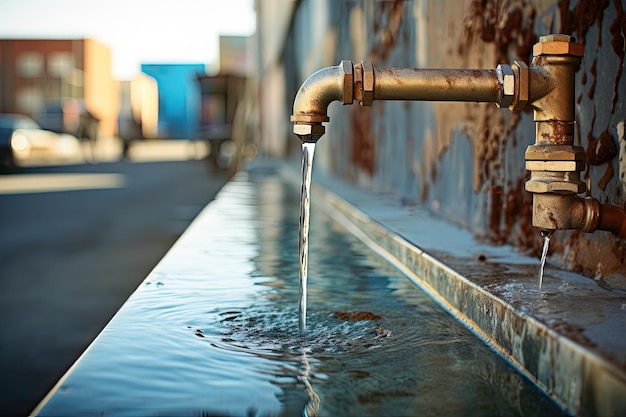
column 213, row 330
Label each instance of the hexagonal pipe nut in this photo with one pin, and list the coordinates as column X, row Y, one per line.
column 348, row 81
column 556, row 37
column 309, row 132
column 507, row 80
column 556, row 166
column 554, row 153
column 557, row 44
column 523, row 85
column 557, row 187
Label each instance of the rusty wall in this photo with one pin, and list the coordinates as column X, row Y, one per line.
column 465, row 161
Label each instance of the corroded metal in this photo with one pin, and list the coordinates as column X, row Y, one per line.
column 554, row 162
column 547, row 86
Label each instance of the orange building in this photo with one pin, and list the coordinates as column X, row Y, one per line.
column 43, row 77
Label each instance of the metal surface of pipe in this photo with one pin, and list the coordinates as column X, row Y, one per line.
column 321, row 89
column 437, row 84
column 565, row 211
column 613, row 219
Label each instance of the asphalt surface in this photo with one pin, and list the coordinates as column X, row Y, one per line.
column 72, row 249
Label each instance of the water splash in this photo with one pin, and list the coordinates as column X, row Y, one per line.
column 544, row 253
column 308, row 149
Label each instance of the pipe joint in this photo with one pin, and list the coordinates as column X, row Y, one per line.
column 310, row 107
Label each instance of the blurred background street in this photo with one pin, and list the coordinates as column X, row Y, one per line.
column 112, row 138
column 76, row 241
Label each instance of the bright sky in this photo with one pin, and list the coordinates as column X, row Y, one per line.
column 137, row 31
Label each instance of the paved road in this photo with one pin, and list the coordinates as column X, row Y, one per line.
column 69, row 259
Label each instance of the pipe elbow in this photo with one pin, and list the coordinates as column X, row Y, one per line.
column 567, row 211
column 310, row 107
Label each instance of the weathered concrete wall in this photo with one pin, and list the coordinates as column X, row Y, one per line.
column 465, row 161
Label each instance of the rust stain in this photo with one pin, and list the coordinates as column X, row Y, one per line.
column 386, row 25
column 527, row 237
column 363, row 144
column 508, row 25
column 495, row 216
column 488, row 137
column 560, row 133
column 592, row 258
column 618, row 30
column 601, row 149
column 594, row 73
column 510, row 209
column 608, row 174
column 582, row 17
column 355, row 315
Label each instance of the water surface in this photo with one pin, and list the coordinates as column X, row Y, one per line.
column 213, row 331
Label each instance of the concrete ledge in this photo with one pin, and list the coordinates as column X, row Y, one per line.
column 569, row 337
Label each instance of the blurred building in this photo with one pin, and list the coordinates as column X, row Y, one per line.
column 236, row 55
column 178, row 98
column 55, row 80
column 221, row 94
column 139, row 108
column 463, row 161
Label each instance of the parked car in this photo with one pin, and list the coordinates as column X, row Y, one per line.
column 24, row 142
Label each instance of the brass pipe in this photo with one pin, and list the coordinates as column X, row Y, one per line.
column 310, row 107
column 559, row 212
column 613, row 219
column 437, row 85
column 547, row 86
column 362, row 82
column 321, row 89
column 565, row 211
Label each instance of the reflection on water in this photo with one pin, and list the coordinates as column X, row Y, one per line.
column 214, row 331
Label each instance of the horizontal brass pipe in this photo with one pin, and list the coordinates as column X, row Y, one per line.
column 437, row 84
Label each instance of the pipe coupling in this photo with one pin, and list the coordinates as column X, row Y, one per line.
column 555, row 169
column 364, row 83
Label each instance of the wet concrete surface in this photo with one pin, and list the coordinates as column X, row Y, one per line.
column 70, row 258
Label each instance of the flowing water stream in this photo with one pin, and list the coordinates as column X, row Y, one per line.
column 308, row 150
column 544, row 254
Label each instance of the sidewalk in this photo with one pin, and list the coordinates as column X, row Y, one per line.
column 109, row 149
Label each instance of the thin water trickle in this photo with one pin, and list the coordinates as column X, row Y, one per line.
column 544, row 253
column 308, row 149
